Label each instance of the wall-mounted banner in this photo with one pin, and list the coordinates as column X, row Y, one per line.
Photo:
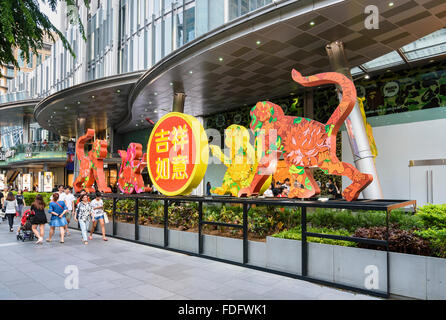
column 48, row 181
column 2, row 181
column 177, row 154
column 27, row 181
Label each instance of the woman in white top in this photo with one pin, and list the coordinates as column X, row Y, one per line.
column 10, row 206
column 97, row 205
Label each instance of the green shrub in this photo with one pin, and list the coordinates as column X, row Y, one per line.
column 29, row 197
column 296, row 234
column 437, row 240
column 433, row 215
column 346, row 219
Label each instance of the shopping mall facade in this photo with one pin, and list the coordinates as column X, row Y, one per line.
column 214, row 59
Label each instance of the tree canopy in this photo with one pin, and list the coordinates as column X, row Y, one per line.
column 24, row 26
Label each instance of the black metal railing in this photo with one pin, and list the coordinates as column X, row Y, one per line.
column 375, row 205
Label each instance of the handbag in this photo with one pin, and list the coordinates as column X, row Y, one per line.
column 106, row 218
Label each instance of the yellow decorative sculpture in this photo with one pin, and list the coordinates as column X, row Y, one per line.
column 241, row 163
column 368, row 129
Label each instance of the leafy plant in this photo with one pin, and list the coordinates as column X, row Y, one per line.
column 437, row 240
column 296, row 234
column 433, row 215
column 403, row 241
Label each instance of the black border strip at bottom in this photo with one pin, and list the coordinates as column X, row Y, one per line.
column 380, row 294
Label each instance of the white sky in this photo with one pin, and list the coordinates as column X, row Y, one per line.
column 53, row 16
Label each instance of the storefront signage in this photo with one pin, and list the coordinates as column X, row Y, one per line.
column 391, row 89
column 177, row 154
column 4, row 155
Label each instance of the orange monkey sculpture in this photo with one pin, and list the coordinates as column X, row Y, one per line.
column 92, row 167
column 304, row 142
column 133, row 162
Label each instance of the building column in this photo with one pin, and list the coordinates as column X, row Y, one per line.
column 309, row 104
column 26, row 129
column 359, row 143
column 178, row 102
column 109, row 135
column 80, row 131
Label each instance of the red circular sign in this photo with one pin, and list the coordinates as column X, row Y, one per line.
column 173, row 154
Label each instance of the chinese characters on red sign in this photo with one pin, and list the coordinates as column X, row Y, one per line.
column 176, row 160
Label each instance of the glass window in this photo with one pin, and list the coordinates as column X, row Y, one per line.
column 189, row 25
column 123, row 21
column 216, row 14
column 387, row 60
column 202, row 16
column 10, row 72
column 147, row 49
column 167, row 5
column 158, row 40
column 356, row 71
column 180, row 29
column 156, row 8
column 19, row 58
column 431, row 45
column 167, row 34
column 30, row 60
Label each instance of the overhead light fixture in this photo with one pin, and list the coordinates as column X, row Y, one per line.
column 146, row 109
column 78, row 102
column 367, row 77
column 431, row 60
column 171, row 83
column 66, row 107
column 142, row 121
column 136, row 124
column 92, row 97
column 156, row 111
column 118, row 91
column 156, row 93
column 312, row 23
column 150, row 102
column 220, row 59
column 258, row 42
column 191, row 72
column 390, row 4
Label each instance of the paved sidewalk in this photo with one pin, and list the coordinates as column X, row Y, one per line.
column 123, row 270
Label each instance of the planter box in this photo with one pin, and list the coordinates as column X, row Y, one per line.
column 283, row 255
column 182, row 240
column 410, row 275
column 436, row 278
column 125, row 230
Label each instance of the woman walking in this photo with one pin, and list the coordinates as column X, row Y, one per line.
column 98, row 208
column 57, row 209
column 20, row 202
column 83, row 215
column 39, row 218
column 10, row 206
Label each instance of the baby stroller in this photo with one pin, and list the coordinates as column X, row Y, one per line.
column 25, row 231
